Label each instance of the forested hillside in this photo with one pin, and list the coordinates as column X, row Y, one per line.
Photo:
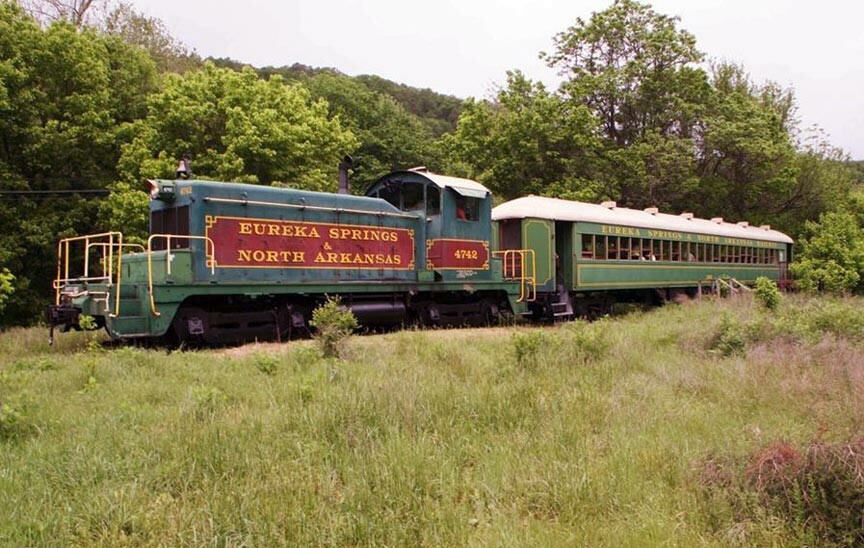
column 92, row 102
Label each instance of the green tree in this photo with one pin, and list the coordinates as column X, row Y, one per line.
column 7, row 279
column 831, row 254
column 636, row 71
column 747, row 157
column 236, row 127
column 389, row 136
column 150, row 33
column 66, row 95
column 526, row 140
column 125, row 210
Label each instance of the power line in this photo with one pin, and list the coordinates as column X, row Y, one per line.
column 13, row 193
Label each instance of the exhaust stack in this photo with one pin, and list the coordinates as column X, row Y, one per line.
column 346, row 164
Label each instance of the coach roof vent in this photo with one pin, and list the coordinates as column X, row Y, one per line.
column 765, row 227
column 687, row 215
column 652, row 210
column 718, row 220
column 743, row 224
column 609, row 205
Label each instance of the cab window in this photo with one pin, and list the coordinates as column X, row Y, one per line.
column 412, row 197
column 433, row 200
column 467, row 209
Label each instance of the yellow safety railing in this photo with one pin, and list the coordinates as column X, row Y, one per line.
column 108, row 242
column 520, row 265
column 209, row 252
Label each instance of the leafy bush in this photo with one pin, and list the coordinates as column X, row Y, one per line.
column 12, row 419
column 588, row 341
column 767, row 294
column 831, row 256
column 333, row 325
column 207, row 401
column 526, row 347
column 838, row 317
column 730, row 339
column 266, row 363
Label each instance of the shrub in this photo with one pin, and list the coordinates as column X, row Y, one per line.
column 767, row 294
column 831, row 254
column 12, row 421
column 526, row 347
column 207, row 401
column 266, row 363
column 730, row 338
column 821, row 489
column 333, row 325
column 589, row 341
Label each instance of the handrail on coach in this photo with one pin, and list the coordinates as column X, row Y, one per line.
column 209, row 253
column 527, row 277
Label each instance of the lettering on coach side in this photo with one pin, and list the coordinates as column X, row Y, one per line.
column 266, row 243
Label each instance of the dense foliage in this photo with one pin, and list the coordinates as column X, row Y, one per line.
column 638, row 120
column 91, row 103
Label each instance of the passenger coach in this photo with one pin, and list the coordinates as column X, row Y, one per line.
column 585, row 255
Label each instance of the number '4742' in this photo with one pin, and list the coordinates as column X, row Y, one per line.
column 465, row 254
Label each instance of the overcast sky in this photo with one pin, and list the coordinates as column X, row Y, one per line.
column 465, row 47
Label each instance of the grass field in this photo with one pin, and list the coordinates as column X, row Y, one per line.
column 687, row 425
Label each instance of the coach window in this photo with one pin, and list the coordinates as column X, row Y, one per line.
column 636, row 249
column 613, row 247
column 600, row 247
column 587, row 246
column 624, row 249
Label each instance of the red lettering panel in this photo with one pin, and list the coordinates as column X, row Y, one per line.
column 268, row 243
column 445, row 254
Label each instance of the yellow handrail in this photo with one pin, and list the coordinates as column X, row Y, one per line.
column 103, row 246
column 526, row 277
column 63, row 260
column 209, row 252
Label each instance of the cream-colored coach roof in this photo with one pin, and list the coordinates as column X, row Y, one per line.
column 465, row 187
column 537, row 207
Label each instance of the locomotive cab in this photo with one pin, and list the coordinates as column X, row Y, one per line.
column 458, row 215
